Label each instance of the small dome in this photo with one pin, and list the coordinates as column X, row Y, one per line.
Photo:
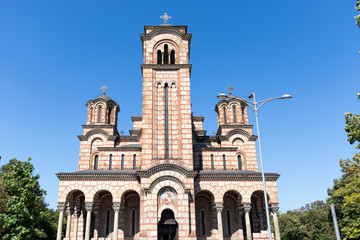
column 106, row 98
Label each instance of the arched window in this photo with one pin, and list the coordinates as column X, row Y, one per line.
column 133, row 221
column 99, row 116
column 166, row 54
column 228, row 222
column 239, row 161
column 225, row 115
column 107, row 229
column 234, row 113
column 109, row 116
column 134, row 161
column 202, row 217
column 96, row 161
column 122, row 161
column 172, row 57
column 212, row 161
column 159, row 57
column 224, row 161
column 243, row 114
column 110, row 161
column 91, row 115
column 200, row 161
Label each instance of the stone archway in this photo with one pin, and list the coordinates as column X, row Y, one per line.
column 167, row 226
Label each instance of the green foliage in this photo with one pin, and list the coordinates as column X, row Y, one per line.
column 345, row 194
column 309, row 222
column 358, row 16
column 353, row 126
column 26, row 215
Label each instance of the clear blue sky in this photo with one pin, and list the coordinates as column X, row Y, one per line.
column 55, row 55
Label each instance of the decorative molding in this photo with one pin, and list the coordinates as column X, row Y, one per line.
column 129, row 138
column 61, row 207
column 274, row 207
column 99, row 175
column 231, row 176
column 247, row 207
column 164, row 30
column 219, row 206
column 97, row 131
column 164, row 178
column 220, row 149
column 200, row 132
column 136, row 118
column 166, row 167
column 119, row 149
column 99, row 126
column 88, row 206
column 198, row 118
column 116, row 207
column 165, row 66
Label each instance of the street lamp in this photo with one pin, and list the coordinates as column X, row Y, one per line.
column 255, row 107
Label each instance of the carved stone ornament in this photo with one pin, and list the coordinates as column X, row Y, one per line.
column 116, row 207
column 274, row 207
column 88, row 207
column 219, row 207
column 61, row 207
column 247, row 207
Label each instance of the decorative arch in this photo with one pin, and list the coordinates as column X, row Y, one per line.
column 169, row 41
column 72, row 188
column 167, row 178
column 96, row 131
column 172, row 31
column 259, row 187
column 237, row 131
column 102, row 187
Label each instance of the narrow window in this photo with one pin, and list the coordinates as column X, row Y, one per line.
column 172, row 57
column 243, row 114
column 159, row 57
column 166, row 121
column 203, row 233
column 99, row 117
column 212, row 161
column 122, row 161
column 166, row 54
column 109, row 116
column 107, row 230
column 96, row 161
column 228, row 223
column 239, row 161
column 134, row 161
column 110, row 161
column 224, row 161
column 91, row 115
column 200, row 161
column 224, row 115
column 133, row 215
column 234, row 113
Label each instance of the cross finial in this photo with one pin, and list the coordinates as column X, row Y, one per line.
column 165, row 17
column 104, row 88
column 122, row 132
column 214, row 132
column 230, row 88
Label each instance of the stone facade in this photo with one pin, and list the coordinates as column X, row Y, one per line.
column 167, row 179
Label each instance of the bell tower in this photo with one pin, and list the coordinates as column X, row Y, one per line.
column 166, row 109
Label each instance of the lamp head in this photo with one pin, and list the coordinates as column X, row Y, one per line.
column 222, row 96
column 286, row 96
column 251, row 95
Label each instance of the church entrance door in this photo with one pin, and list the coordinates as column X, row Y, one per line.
column 167, row 226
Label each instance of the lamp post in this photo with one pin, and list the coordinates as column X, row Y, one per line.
column 255, row 106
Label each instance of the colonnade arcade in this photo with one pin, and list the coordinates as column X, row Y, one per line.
column 102, row 218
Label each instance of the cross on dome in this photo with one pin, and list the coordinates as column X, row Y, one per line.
column 230, row 88
column 104, row 88
column 165, row 17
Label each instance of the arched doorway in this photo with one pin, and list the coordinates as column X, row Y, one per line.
column 167, row 226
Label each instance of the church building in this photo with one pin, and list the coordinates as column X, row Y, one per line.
column 168, row 179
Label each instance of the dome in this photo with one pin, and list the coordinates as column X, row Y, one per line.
column 106, row 98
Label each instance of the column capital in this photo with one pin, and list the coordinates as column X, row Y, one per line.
column 61, row 207
column 247, row 207
column 219, row 207
column 69, row 210
column 116, row 207
column 274, row 207
column 89, row 206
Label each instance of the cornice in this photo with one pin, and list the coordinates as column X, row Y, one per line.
column 200, row 132
column 136, row 118
column 219, row 149
column 119, row 149
column 165, row 66
column 198, row 118
column 233, row 176
column 98, row 126
column 165, row 29
column 99, row 175
column 97, row 131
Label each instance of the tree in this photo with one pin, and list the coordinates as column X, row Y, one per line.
column 358, row 16
column 26, row 214
column 353, row 125
column 345, row 194
column 309, row 222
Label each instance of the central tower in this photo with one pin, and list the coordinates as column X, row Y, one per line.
column 166, row 105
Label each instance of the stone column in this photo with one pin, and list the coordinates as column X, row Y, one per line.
column 68, row 223
column 247, row 208
column 240, row 214
column 61, row 208
column 274, row 209
column 88, row 207
column 76, row 216
column 219, row 208
column 116, row 207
